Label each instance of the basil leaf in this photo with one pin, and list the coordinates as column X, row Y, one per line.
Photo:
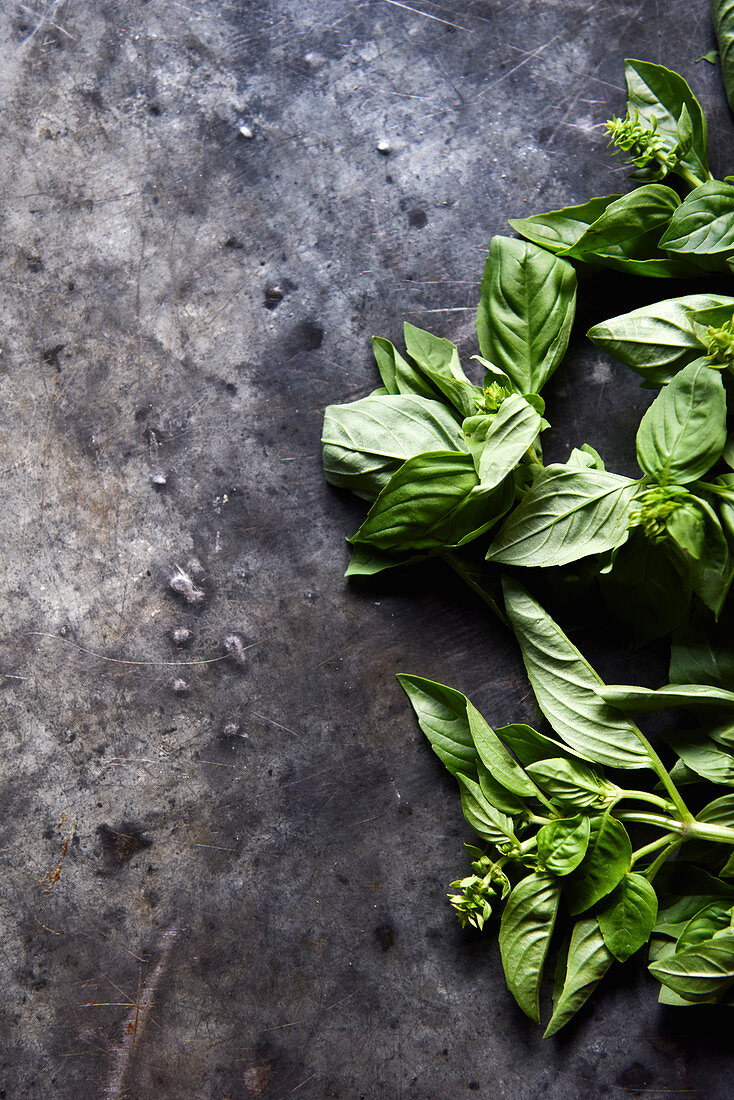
column 722, row 12
column 438, row 359
column 585, row 458
column 568, row 514
column 659, row 339
column 526, row 310
column 683, row 432
column 441, row 714
column 572, row 784
column 646, row 700
column 628, row 231
column 704, row 969
column 529, row 746
column 588, row 961
column 525, row 932
column 398, row 375
column 366, row 441
column 714, row 918
column 495, row 756
column 562, row 844
column 365, row 561
column 628, row 917
column 566, row 687
column 674, row 917
column 703, row 757
column 718, row 812
column 659, row 94
column 713, row 571
column 497, row 443
column 429, row 504
column 498, row 795
column 491, row 824
column 647, row 590
column 560, row 229
column 703, row 225
column 605, row 864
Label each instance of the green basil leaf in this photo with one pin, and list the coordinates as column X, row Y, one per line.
column 441, row 714
column 718, row 812
column 526, row 310
column 497, row 443
column 605, row 864
column 589, row 958
column 704, row 969
column 646, row 700
column 566, row 686
column 683, row 432
column 659, row 339
column 674, row 916
column 659, row 94
column 365, row 561
column 722, row 12
column 703, row 757
column 629, row 229
column 398, row 375
column 366, row 441
column 529, row 746
column 525, row 931
column 491, row 824
column 628, row 916
column 572, row 784
column 568, row 514
column 648, row 590
column 496, row 758
column 703, row 225
column 585, row 458
column 429, row 504
column 498, row 795
column 714, row 918
column 560, row 229
column 687, row 528
column 562, row 844
column 439, row 361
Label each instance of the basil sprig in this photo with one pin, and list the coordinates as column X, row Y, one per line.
column 585, row 839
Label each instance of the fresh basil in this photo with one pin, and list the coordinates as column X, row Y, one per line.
column 525, row 932
column 703, row 225
column 430, row 503
column 663, row 99
column 657, row 340
column 587, row 962
column 683, row 432
column 438, row 359
column 566, row 687
column 497, row 443
column 628, row 916
column 441, row 714
column 568, row 514
column 572, row 784
column 562, row 844
column 526, row 309
column 366, row 441
column 605, row 864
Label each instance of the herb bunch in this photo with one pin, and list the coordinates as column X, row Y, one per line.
column 445, row 462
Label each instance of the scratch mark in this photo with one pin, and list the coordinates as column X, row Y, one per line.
column 426, row 15
column 137, row 1018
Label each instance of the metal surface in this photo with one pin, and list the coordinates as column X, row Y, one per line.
column 224, row 862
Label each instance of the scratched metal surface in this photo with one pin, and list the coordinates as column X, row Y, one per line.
column 223, row 864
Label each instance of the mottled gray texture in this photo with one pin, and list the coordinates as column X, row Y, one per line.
column 224, row 867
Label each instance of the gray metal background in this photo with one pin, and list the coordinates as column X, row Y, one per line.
column 194, row 913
